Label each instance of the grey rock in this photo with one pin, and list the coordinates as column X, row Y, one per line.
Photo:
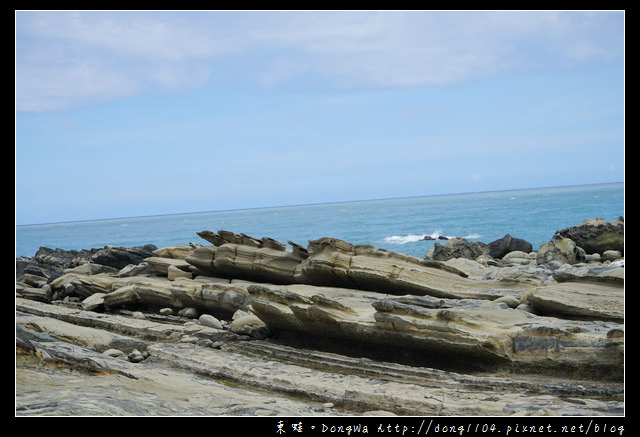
column 611, row 255
column 120, row 257
column 189, row 312
column 250, row 325
column 510, row 301
column 211, row 321
column 135, row 356
column 115, row 353
column 93, row 302
column 560, row 250
column 138, row 315
column 142, row 269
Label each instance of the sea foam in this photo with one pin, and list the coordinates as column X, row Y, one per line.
column 412, row 238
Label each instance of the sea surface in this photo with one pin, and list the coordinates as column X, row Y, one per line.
column 398, row 224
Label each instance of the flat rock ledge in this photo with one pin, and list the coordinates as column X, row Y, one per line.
column 246, row 326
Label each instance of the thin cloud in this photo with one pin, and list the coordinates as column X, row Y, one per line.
column 65, row 59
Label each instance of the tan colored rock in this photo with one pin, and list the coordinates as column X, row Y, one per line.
column 176, row 252
column 161, row 265
column 339, row 264
column 489, row 335
column 174, row 272
column 248, row 324
column 64, row 373
column 560, row 250
column 85, row 284
column 360, row 300
column 582, row 299
column 245, row 262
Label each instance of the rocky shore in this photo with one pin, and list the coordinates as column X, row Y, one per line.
column 239, row 325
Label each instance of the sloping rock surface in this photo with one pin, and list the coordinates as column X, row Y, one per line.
column 184, row 376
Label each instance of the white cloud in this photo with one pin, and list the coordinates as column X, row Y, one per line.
column 69, row 58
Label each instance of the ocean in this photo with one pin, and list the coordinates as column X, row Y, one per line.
column 397, row 224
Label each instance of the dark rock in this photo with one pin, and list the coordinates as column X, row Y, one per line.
column 459, row 248
column 64, row 258
column 597, row 235
column 50, row 264
column 120, row 257
column 506, row 244
column 212, row 238
column 31, row 266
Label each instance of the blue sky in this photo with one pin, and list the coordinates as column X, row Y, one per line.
column 132, row 113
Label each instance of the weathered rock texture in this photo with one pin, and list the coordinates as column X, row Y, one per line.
column 597, row 235
column 353, row 326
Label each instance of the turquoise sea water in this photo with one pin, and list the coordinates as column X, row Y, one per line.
column 394, row 224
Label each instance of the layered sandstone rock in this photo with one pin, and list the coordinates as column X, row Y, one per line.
column 74, row 362
column 428, row 331
column 218, row 308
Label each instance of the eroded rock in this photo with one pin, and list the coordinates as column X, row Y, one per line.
column 559, row 318
column 597, row 235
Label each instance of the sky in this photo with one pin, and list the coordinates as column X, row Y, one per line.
column 136, row 113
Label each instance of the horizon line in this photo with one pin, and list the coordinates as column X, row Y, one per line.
column 318, row 203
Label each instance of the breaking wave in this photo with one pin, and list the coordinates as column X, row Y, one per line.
column 412, row 238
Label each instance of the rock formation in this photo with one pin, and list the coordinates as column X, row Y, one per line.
column 596, row 235
column 508, row 244
column 353, row 326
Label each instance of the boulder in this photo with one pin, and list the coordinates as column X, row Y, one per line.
column 611, row 255
column 249, row 324
column 459, row 248
column 506, row 244
column 597, row 235
column 209, row 320
column 560, row 250
column 518, row 257
column 189, row 313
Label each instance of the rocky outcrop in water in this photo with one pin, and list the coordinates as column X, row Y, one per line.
column 327, row 328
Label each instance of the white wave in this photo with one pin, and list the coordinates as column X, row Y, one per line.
column 412, row 238
column 404, row 239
